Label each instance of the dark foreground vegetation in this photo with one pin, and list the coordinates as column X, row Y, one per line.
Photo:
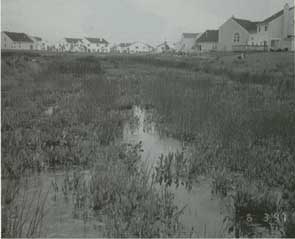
column 68, row 112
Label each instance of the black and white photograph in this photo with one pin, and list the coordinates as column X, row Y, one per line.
column 147, row 119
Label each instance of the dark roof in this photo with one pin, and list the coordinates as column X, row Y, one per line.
column 73, row 40
column 18, row 37
column 149, row 46
column 38, row 38
column 125, row 44
column 209, row 36
column 248, row 25
column 163, row 44
column 96, row 40
column 190, row 35
column 274, row 16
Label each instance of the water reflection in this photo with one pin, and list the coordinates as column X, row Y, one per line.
column 203, row 213
column 62, row 217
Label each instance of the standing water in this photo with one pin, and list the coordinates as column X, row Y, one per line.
column 67, row 214
column 203, row 214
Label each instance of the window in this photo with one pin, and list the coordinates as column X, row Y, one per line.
column 259, row 28
column 265, row 28
column 237, row 37
column 19, row 45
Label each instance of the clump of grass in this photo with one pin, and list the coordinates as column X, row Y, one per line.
column 77, row 66
column 123, row 195
column 22, row 213
column 173, row 169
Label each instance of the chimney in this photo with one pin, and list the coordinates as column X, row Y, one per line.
column 286, row 21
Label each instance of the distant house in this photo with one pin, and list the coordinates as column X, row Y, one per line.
column 121, row 48
column 207, row 41
column 187, row 42
column 39, row 43
column 96, row 44
column 140, row 47
column 163, row 48
column 71, row 45
column 275, row 32
column 16, row 41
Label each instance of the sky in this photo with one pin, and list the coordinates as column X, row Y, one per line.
column 150, row 21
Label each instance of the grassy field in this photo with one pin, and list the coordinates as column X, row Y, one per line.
column 67, row 111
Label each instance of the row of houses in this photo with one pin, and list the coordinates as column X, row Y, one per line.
column 22, row 41
column 141, row 47
column 273, row 33
column 87, row 44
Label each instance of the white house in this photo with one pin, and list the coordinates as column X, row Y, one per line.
column 39, row 43
column 235, row 32
column 140, row 47
column 163, row 48
column 187, row 42
column 16, row 41
column 121, row 48
column 71, row 45
column 277, row 31
column 207, row 41
column 96, row 44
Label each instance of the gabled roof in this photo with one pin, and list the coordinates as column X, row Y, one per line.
column 37, row 38
column 248, row 25
column 190, row 35
column 96, row 40
column 163, row 44
column 18, row 37
column 209, row 36
column 274, row 16
column 73, row 40
column 142, row 43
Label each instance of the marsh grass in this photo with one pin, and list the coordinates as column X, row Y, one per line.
column 68, row 111
column 239, row 122
column 57, row 113
column 121, row 193
column 22, row 213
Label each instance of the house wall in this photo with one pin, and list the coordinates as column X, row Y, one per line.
column 64, row 46
column 104, row 48
column 7, row 43
column 186, row 45
column 139, row 47
column 289, row 41
column 38, row 45
column 261, row 36
column 161, row 48
column 207, row 46
column 226, row 35
column 277, row 29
